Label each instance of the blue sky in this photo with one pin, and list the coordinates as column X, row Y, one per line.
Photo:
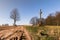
column 27, row 9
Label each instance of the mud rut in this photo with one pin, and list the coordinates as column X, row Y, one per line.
column 18, row 33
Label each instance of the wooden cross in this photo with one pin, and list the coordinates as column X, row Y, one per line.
column 40, row 14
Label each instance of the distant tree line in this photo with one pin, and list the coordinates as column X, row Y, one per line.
column 53, row 19
column 50, row 20
column 35, row 21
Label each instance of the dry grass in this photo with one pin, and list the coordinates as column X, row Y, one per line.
column 34, row 30
column 53, row 27
column 6, row 27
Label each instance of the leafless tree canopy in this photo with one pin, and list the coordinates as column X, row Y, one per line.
column 15, row 15
column 34, row 20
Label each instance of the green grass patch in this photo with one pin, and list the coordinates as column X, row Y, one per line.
column 32, row 29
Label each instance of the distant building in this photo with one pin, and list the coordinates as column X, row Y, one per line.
column 5, row 24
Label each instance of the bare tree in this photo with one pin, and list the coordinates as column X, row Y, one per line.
column 34, row 21
column 15, row 16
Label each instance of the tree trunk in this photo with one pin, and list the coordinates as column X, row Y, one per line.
column 57, row 23
column 14, row 22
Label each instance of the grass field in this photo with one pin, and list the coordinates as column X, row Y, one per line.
column 50, row 30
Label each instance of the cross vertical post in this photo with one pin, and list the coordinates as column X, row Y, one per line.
column 40, row 23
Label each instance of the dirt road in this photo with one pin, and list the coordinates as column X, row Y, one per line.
column 14, row 32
